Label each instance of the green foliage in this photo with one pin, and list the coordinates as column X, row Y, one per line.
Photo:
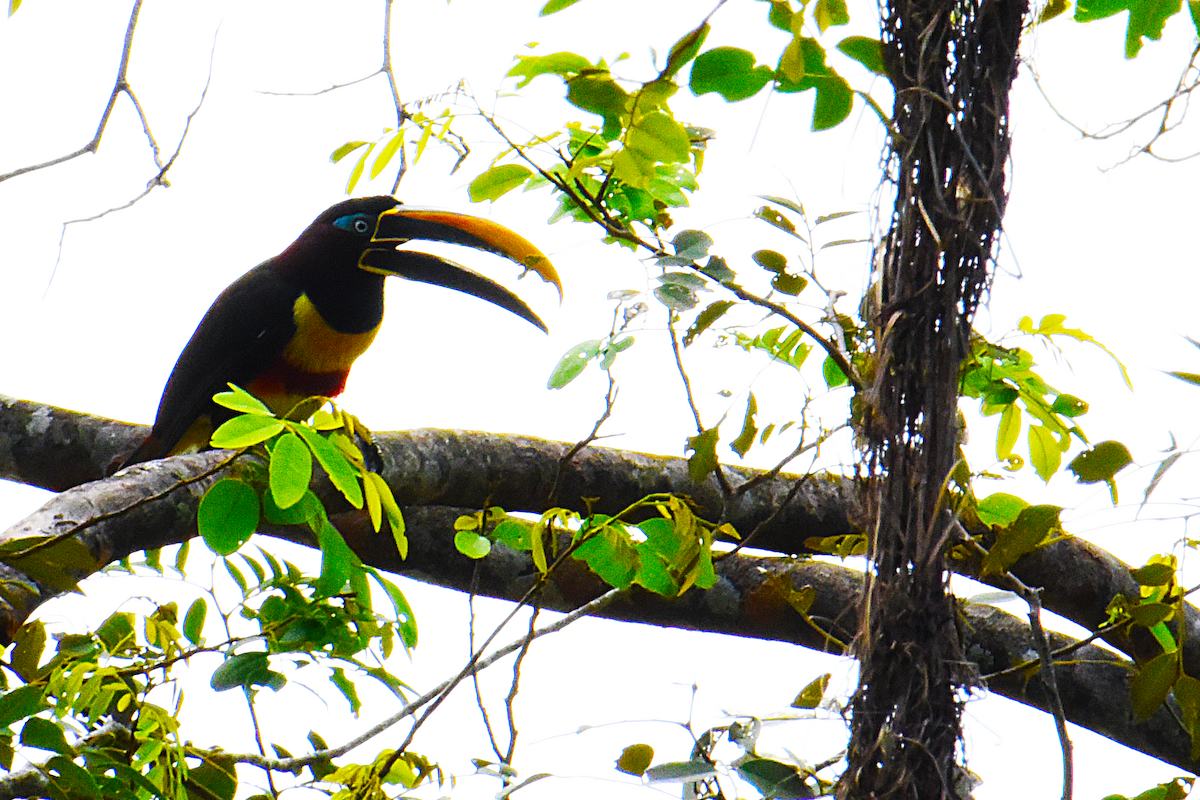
column 667, row 554
column 1005, row 383
column 230, row 511
column 770, row 776
column 1102, row 463
column 635, row 759
column 730, row 72
column 1035, row 526
column 1177, row 789
column 1146, row 18
column 603, row 351
column 423, row 129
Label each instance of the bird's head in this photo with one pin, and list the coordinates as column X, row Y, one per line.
column 374, row 227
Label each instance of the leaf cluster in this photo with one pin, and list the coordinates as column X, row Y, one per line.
column 667, row 554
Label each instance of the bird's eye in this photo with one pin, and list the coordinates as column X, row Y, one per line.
column 354, row 223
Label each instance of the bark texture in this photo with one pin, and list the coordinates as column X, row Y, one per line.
column 444, row 473
column 952, row 63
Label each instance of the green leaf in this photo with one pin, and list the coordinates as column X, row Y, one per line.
column 339, row 564
column 866, row 51
column 57, row 560
column 790, row 285
column 498, row 181
column 730, row 72
column 1000, row 509
column 609, row 552
column 345, row 150
column 689, row 246
column 1156, row 573
column 832, row 373
column 771, row 260
column 290, row 470
column 357, row 171
column 749, row 430
column 238, row 399
column 45, row 735
column 1052, row 9
column 704, row 454
column 595, row 91
column 387, row 153
column 685, row 50
column 228, row 515
column 214, row 779
column 246, row 430
column 1008, row 431
column 719, row 271
column 773, row 217
column 705, row 319
column 1044, row 451
column 1146, row 18
column 572, row 363
column 658, row 137
column 1149, row 687
column 471, row 544
column 193, row 620
column 828, row 13
column 29, row 644
column 554, row 6
column 347, row 688
column 117, row 633
column 246, row 670
column 1190, row 377
column 406, row 619
column 775, row 779
column 810, row 696
column 1101, row 463
column 611, row 350
column 635, row 759
column 1032, row 527
column 20, row 703
column 676, row 297
column 339, row 469
column 835, row 100
column 561, row 64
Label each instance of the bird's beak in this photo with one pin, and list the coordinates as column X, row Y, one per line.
column 404, row 224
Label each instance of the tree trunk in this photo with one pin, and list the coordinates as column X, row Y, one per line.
column 952, row 65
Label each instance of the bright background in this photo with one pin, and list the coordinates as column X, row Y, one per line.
column 1113, row 250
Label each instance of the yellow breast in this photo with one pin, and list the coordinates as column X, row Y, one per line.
column 318, row 348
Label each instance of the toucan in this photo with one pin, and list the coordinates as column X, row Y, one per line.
column 291, row 327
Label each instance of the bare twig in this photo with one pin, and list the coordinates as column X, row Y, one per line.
column 291, row 764
column 160, row 179
column 1033, row 598
column 120, row 85
column 1189, row 81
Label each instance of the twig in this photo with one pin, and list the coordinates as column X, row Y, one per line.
column 120, row 85
column 511, row 698
column 292, row 764
column 159, row 179
column 1033, row 598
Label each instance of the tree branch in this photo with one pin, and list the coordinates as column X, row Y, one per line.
column 438, row 474
column 121, row 84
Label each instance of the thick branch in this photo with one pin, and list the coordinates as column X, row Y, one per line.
column 438, row 473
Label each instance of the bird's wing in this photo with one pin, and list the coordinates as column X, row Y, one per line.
column 245, row 330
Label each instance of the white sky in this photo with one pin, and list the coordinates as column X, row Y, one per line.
column 1115, row 251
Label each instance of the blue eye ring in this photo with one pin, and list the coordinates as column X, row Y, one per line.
column 354, row 223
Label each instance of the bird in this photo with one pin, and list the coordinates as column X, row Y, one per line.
column 292, row 326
